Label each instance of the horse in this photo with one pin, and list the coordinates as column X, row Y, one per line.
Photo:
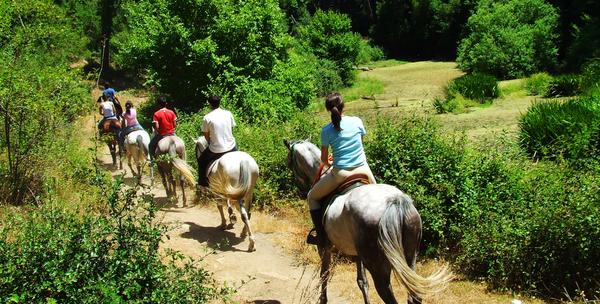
column 232, row 177
column 170, row 153
column 110, row 129
column 376, row 224
column 136, row 148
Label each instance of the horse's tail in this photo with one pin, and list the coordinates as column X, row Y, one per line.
column 219, row 182
column 181, row 165
column 390, row 241
column 140, row 143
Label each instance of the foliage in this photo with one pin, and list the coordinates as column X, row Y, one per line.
column 590, row 78
column 186, row 46
column 456, row 104
column 563, row 85
column 329, row 37
column 363, row 87
column 479, row 87
column 538, row 84
column 412, row 154
column 35, row 107
column 555, row 129
column 54, row 255
column 540, row 219
column 369, row 53
column 586, row 38
column 510, row 38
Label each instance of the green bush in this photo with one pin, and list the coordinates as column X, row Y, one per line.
column 590, row 78
column 368, row 53
column 411, row 153
column 329, row 36
column 327, row 77
column 52, row 255
column 564, row 85
column 184, row 47
column 538, row 84
column 540, row 220
column 478, row 87
column 510, row 38
column 554, row 129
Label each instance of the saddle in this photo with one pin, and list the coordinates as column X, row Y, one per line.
column 111, row 125
column 352, row 182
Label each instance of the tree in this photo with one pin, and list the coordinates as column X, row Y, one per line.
column 510, row 38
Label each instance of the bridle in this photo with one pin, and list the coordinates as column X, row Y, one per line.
column 301, row 176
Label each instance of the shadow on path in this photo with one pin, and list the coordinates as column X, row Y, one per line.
column 214, row 237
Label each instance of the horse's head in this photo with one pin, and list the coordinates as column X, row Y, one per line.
column 201, row 145
column 303, row 160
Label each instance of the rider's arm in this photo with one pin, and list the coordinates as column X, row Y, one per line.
column 325, row 155
column 101, row 110
column 207, row 136
column 155, row 125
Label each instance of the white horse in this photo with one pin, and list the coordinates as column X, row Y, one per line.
column 136, row 147
column 376, row 224
column 170, row 154
column 232, row 177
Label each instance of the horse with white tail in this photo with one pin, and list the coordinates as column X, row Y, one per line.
column 377, row 224
column 136, row 149
column 232, row 177
column 170, row 153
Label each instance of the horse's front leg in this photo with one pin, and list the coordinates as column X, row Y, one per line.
column 247, row 227
column 325, row 254
column 223, row 225
column 361, row 279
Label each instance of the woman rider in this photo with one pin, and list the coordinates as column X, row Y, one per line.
column 129, row 121
column 344, row 134
column 107, row 110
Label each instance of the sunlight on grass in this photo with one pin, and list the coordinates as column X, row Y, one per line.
column 514, row 88
column 385, row 63
column 363, row 86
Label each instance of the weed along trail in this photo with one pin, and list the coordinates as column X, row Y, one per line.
column 268, row 275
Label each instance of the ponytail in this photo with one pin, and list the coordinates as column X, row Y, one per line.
column 335, row 104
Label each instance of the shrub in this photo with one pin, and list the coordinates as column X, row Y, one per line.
column 329, row 36
column 564, row 85
column 411, row 153
column 53, row 255
column 368, row 53
column 327, row 77
column 509, row 39
column 538, row 84
column 590, row 78
column 478, row 87
column 552, row 128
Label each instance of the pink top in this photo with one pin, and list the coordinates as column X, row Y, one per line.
column 131, row 118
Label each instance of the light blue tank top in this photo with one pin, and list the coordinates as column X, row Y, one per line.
column 346, row 144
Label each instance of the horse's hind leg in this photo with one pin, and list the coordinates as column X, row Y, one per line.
column 380, row 272
column 411, row 238
column 247, row 227
column 232, row 217
column 361, row 279
column 325, row 254
column 182, row 183
column 223, row 225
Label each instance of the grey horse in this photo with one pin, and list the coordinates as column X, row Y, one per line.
column 232, row 177
column 170, row 153
column 375, row 224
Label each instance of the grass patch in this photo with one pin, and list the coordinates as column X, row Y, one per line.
column 513, row 88
column 363, row 87
column 385, row 63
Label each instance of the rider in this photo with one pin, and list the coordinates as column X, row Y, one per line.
column 217, row 127
column 129, row 121
column 111, row 94
column 164, row 122
column 344, row 134
column 107, row 110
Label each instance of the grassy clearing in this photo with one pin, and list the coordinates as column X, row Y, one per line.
column 385, row 63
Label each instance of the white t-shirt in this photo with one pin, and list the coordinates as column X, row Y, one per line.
column 219, row 123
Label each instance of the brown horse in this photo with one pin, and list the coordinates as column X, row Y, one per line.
column 110, row 129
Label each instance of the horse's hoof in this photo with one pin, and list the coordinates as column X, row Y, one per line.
column 251, row 245
column 233, row 219
column 230, row 226
column 223, row 227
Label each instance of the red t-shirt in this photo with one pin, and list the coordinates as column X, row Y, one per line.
column 166, row 121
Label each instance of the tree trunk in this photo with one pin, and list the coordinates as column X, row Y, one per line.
column 108, row 8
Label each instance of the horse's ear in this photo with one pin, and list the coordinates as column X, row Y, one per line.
column 287, row 143
column 308, row 138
